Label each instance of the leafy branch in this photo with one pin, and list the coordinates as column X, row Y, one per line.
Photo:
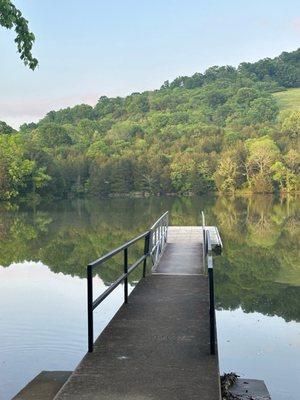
column 11, row 17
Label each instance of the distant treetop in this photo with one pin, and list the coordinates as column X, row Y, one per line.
column 5, row 129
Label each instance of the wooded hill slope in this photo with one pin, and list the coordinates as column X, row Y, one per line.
column 220, row 130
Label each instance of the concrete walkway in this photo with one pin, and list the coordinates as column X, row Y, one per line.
column 181, row 259
column 157, row 346
column 193, row 234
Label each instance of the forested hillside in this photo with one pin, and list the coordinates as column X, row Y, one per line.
column 221, row 130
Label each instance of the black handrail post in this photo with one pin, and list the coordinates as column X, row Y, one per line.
column 146, row 252
column 90, row 308
column 203, row 239
column 212, row 311
column 125, row 272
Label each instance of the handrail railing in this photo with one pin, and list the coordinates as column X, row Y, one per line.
column 158, row 237
column 203, row 238
column 212, row 312
column 154, row 241
column 208, row 263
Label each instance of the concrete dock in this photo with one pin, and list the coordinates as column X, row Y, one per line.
column 157, row 345
column 44, row 386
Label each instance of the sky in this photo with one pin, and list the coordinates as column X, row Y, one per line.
column 87, row 49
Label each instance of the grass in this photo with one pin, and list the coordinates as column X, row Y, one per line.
column 289, row 99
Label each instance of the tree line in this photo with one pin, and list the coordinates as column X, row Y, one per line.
column 217, row 131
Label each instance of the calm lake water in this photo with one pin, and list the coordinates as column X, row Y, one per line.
column 43, row 256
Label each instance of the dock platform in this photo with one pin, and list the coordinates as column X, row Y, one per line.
column 157, row 345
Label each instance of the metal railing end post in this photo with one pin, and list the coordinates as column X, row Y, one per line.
column 125, row 272
column 146, row 252
column 90, row 308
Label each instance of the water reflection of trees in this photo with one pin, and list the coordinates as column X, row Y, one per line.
column 68, row 235
column 259, row 269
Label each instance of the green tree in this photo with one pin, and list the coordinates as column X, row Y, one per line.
column 262, row 154
column 11, row 18
column 291, row 124
column 5, row 129
column 226, row 174
column 279, row 173
column 52, row 135
column 15, row 168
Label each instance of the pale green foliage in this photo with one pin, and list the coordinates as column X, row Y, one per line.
column 262, row 154
column 181, row 169
column 18, row 174
column 291, row 124
column 226, row 174
column 40, row 178
column 292, row 159
column 14, row 169
column 279, row 173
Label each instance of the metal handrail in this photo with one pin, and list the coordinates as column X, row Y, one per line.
column 166, row 214
column 203, row 238
column 212, row 312
column 109, row 255
column 208, row 263
column 158, row 237
column 154, row 240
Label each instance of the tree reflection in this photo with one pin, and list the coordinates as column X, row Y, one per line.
column 258, row 270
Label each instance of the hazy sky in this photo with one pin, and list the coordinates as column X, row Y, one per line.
column 91, row 48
